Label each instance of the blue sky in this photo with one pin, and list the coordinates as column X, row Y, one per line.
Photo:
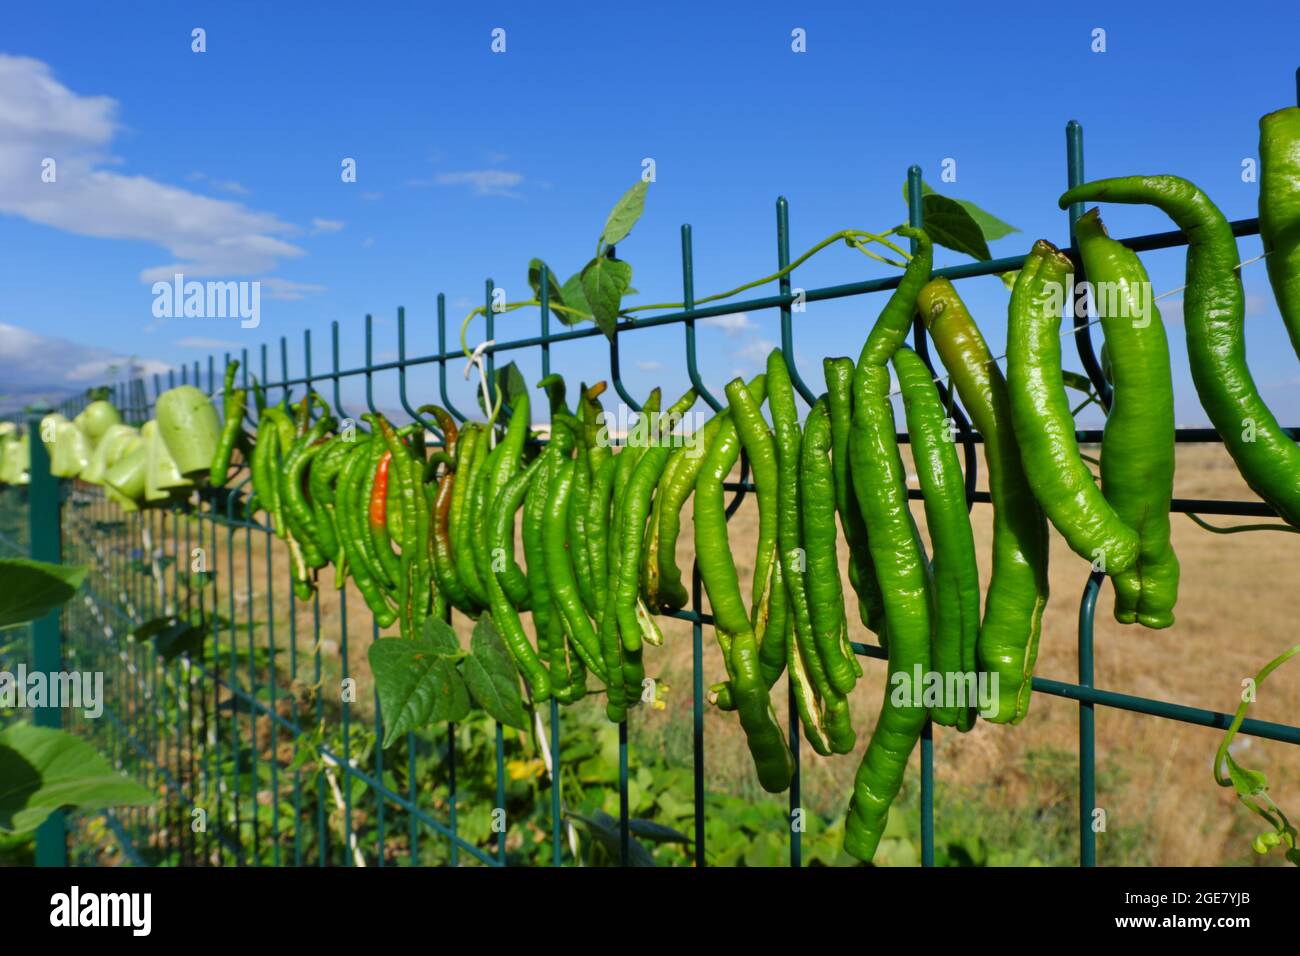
column 470, row 162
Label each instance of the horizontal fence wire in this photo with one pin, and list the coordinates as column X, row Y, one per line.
column 198, row 727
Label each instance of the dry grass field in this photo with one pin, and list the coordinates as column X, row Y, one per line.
column 1154, row 780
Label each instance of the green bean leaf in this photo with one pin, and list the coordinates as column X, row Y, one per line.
column 491, row 677
column 656, row 832
column 442, row 636
column 553, row 385
column 510, row 381
column 43, row 769
column 575, row 297
column 951, row 226
column 31, row 589
column 624, row 214
column 172, row 637
column 605, row 281
column 418, row 684
column 990, row 226
column 604, row 830
column 554, row 293
column 1247, row 783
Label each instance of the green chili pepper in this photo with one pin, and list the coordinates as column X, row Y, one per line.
column 807, row 704
column 493, row 558
column 1279, row 211
column 534, row 520
column 403, row 489
column 577, row 523
column 650, row 579
column 233, row 401
column 263, row 477
column 767, row 745
column 512, row 446
column 862, row 573
column 677, row 484
column 352, row 535
column 504, row 614
column 891, row 328
column 956, row 583
column 590, row 414
column 538, row 575
column 835, row 718
column 472, row 454
column 444, row 563
column 629, row 624
column 323, row 473
column 879, row 483
column 302, row 522
column 1214, row 314
column 1040, row 412
column 760, row 449
column 377, row 526
column 571, row 684
column 356, row 510
column 480, row 502
column 602, row 481
column 303, row 588
column 500, row 527
column 557, row 553
column 272, row 428
column 298, row 511
column 613, row 657
column 822, row 566
column 635, row 510
column 773, row 654
column 1018, row 587
column 1137, row 446
column 446, row 424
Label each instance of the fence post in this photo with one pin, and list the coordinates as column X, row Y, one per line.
column 46, row 544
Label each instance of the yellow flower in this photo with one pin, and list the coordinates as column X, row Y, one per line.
column 524, row 769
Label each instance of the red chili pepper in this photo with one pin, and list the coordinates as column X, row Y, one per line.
column 379, row 493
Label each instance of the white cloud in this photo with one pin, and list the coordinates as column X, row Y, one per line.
column 96, row 371
column 40, row 117
column 229, row 185
column 199, row 342
column 286, row 290
column 326, row 225
column 649, row 365
column 483, row 182
column 756, row 350
column 367, row 242
column 734, row 324
column 34, row 366
column 371, row 196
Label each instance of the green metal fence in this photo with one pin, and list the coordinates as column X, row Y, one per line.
column 197, row 727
